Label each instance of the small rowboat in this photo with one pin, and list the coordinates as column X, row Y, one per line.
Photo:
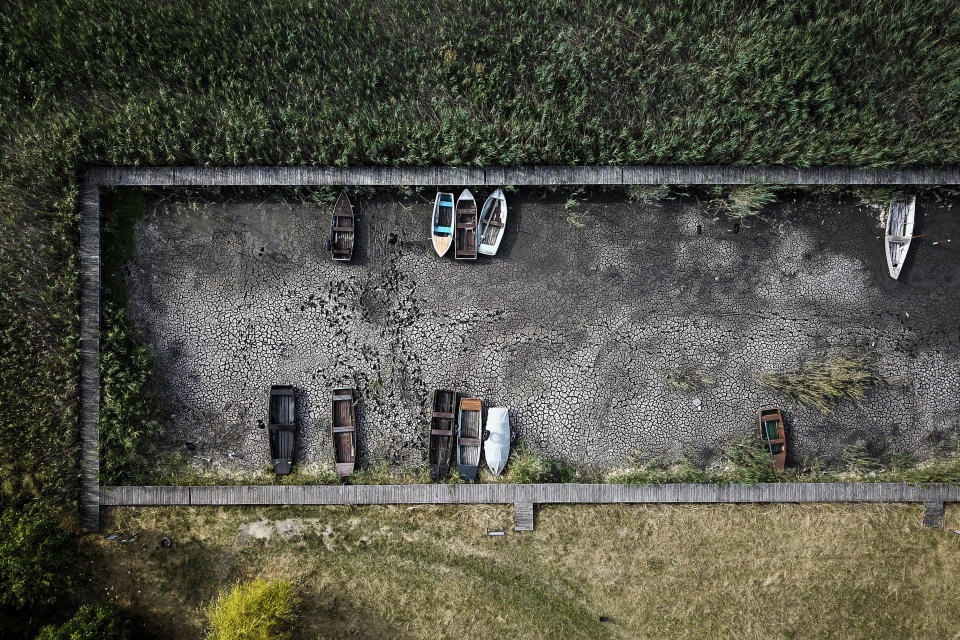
column 496, row 439
column 468, row 440
column 342, row 229
column 465, row 236
column 772, row 435
column 442, row 434
column 899, row 232
column 493, row 218
column 344, row 431
column 282, row 427
column 441, row 228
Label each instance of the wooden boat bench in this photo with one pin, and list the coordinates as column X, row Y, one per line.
column 343, row 228
column 344, row 429
column 469, row 442
column 472, row 224
column 441, row 432
column 443, row 414
column 343, row 397
column 442, row 230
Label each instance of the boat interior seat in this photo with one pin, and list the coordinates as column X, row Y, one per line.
column 349, row 429
column 343, row 228
column 442, row 229
column 340, row 397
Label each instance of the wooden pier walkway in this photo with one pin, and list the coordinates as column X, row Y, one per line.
column 90, row 355
column 525, row 496
column 518, row 176
column 91, row 495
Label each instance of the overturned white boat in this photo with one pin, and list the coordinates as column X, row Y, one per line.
column 899, row 232
column 496, row 439
column 493, row 219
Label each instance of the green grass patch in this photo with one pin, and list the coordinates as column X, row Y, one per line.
column 824, row 384
column 743, row 203
column 417, row 572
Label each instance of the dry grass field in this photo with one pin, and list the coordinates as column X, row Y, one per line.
column 781, row 571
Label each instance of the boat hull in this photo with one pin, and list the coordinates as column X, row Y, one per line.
column 442, row 432
column 899, row 232
column 342, row 229
column 441, row 223
column 282, row 428
column 493, row 222
column 496, row 442
column 469, row 430
column 343, row 431
column 465, row 233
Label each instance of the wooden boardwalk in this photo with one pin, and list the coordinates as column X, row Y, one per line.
column 525, row 496
column 91, row 496
column 90, row 355
column 498, row 176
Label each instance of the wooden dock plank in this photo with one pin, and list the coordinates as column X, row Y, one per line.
column 523, row 516
column 529, row 175
column 933, row 514
column 528, row 493
column 90, row 356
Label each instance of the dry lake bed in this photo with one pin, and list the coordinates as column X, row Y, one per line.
column 575, row 325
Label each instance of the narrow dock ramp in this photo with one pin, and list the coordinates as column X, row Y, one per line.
column 933, row 514
column 523, row 516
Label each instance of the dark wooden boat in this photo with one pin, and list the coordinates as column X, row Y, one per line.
column 442, row 432
column 469, row 428
column 344, row 431
column 772, row 435
column 282, row 427
column 342, row 229
column 465, row 233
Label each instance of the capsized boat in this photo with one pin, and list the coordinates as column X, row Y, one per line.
column 465, row 233
column 899, row 232
column 343, row 431
column 770, row 423
column 442, row 432
column 441, row 228
column 496, row 439
column 282, row 427
column 493, row 219
column 342, row 230
column 468, row 437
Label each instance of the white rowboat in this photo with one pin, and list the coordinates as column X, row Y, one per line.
column 496, row 441
column 493, row 220
column 899, row 232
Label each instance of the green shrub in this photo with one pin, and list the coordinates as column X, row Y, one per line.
column 38, row 564
column 741, row 203
column 649, row 193
column 90, row 622
column 255, row 610
column 823, row 385
column 749, row 462
column 529, row 466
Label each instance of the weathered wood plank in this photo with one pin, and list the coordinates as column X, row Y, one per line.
column 90, row 356
column 534, row 494
column 523, row 516
column 531, row 175
column 933, row 514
